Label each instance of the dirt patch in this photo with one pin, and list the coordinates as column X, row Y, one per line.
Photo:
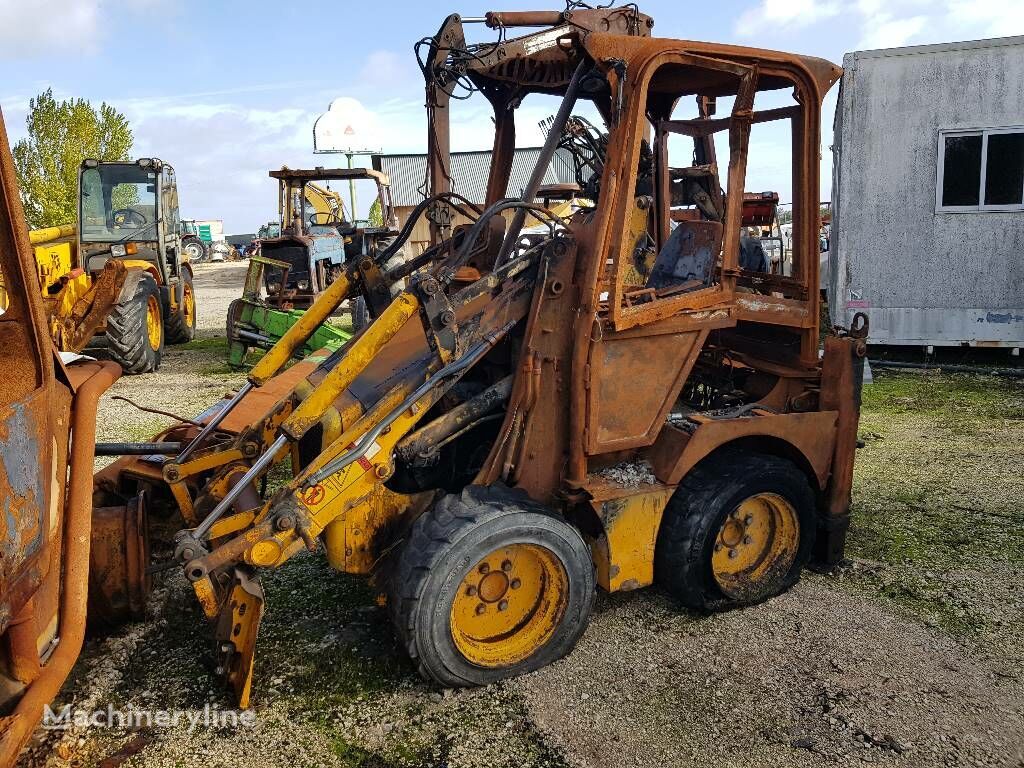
column 815, row 677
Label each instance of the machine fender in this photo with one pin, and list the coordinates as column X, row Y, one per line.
column 809, row 436
column 136, row 270
column 179, row 286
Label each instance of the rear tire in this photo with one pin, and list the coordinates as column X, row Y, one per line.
column 195, row 249
column 466, row 624
column 135, row 329
column 181, row 323
column 761, row 549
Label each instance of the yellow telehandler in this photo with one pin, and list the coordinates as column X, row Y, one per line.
column 120, row 282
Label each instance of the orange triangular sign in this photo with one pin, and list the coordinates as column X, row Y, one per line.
column 349, row 131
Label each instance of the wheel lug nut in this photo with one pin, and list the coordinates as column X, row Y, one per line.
column 480, row 609
column 484, row 567
column 746, row 539
column 718, row 547
column 506, row 566
column 471, row 591
column 732, row 553
column 503, row 605
column 516, row 584
column 748, row 519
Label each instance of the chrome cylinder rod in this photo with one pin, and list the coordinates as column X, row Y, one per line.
column 261, row 464
column 214, row 422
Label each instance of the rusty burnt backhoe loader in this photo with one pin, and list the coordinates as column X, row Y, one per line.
column 611, row 402
column 47, row 437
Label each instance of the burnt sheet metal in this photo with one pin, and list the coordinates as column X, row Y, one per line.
column 22, row 493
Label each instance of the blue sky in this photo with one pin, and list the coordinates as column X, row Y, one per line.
column 226, row 91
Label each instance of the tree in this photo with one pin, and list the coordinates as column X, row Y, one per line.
column 61, row 134
column 376, row 214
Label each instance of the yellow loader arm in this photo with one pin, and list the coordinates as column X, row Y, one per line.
column 340, row 497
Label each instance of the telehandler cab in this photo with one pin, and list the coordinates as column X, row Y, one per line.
column 612, row 402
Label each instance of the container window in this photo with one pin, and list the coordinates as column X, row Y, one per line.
column 981, row 170
column 1004, row 169
column 961, row 175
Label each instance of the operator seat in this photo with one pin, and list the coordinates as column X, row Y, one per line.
column 688, row 256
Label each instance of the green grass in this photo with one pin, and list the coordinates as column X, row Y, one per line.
column 209, row 343
column 937, row 488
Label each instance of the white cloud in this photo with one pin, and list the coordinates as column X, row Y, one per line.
column 28, row 28
column 32, row 28
column 886, row 32
column 996, row 18
column 779, row 15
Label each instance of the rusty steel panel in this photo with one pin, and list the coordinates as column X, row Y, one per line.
column 633, row 383
column 24, row 457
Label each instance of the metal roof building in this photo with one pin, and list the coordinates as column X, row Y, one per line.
column 408, row 173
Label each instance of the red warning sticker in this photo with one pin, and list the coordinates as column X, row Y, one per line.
column 313, row 496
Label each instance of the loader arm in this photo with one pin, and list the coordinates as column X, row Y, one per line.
column 337, row 497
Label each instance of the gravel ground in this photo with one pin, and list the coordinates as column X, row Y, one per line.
column 910, row 655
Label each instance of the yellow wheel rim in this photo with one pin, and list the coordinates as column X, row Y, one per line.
column 154, row 324
column 188, row 305
column 508, row 605
column 756, row 546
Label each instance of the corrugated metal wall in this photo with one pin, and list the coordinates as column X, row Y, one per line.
column 408, row 174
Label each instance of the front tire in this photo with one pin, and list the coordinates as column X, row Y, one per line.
column 490, row 585
column 738, row 530
column 135, row 329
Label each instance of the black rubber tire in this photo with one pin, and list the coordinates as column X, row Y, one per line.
column 127, row 339
column 448, row 540
column 199, row 251
column 177, row 329
column 697, row 509
column 360, row 313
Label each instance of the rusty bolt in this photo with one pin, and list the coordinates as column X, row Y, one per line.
column 447, row 317
column 429, row 287
column 732, row 553
column 366, row 264
column 484, row 567
column 172, row 474
column 471, row 591
column 285, row 523
column 188, row 554
column 503, row 605
column 748, row 520
column 516, row 584
column 383, row 471
column 718, row 547
column 747, row 539
column 480, row 609
column 506, row 565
